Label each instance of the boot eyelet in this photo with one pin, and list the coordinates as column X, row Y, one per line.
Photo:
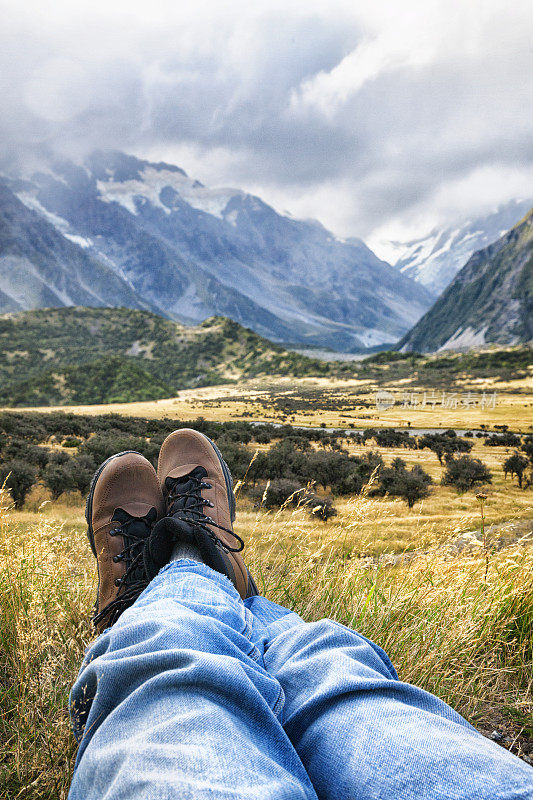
column 118, row 582
column 116, row 559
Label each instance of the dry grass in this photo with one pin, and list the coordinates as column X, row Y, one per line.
column 445, row 627
column 256, row 399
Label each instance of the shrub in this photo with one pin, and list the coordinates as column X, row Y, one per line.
column 278, row 492
column 105, row 445
column 58, row 479
column 57, row 457
column 527, row 447
column 398, row 481
column 515, row 465
column 19, row 477
column 444, row 444
column 82, row 469
column 236, row 457
column 71, row 441
column 465, row 472
column 263, row 437
column 283, row 491
column 388, row 437
column 502, row 440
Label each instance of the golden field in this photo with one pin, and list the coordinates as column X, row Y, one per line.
column 340, row 403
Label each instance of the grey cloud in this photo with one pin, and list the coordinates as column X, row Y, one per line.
column 404, row 133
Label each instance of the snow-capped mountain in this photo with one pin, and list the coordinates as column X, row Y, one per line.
column 434, row 260
column 187, row 252
column 489, row 301
column 39, row 266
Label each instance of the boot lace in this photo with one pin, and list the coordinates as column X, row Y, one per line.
column 135, row 532
column 185, row 502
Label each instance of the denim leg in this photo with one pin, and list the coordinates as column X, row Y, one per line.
column 363, row 734
column 174, row 701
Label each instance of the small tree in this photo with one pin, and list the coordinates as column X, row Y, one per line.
column 398, row 481
column 465, row 472
column 515, row 465
column 58, row 479
column 527, row 447
column 82, row 469
column 19, row 477
column 444, row 444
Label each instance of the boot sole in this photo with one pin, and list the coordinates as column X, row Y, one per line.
column 89, row 501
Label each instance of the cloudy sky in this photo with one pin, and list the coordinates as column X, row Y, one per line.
column 380, row 118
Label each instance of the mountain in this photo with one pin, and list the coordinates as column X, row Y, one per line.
column 490, row 299
column 191, row 252
column 434, row 260
column 41, row 267
column 92, row 355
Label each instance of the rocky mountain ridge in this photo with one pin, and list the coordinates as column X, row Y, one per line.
column 187, row 252
column 489, row 301
column 434, row 260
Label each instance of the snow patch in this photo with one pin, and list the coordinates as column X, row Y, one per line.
column 32, row 203
column 82, row 241
column 232, row 218
column 152, row 183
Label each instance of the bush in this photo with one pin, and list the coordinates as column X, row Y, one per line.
column 465, row 472
column 263, row 437
column 236, row 457
column 105, row 445
column 281, row 492
column 502, row 440
column 58, row 457
column 444, row 444
column 276, row 493
column 390, row 438
column 515, row 465
column 398, row 481
column 82, row 469
column 71, row 441
column 58, row 479
column 19, row 477
column 527, row 447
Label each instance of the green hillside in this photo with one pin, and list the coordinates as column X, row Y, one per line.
column 102, row 355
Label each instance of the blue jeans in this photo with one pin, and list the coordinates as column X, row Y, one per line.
column 194, row 694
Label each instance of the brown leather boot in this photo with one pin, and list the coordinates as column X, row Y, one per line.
column 123, row 504
column 195, row 479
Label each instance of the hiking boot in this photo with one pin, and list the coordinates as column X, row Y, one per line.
column 123, row 504
column 194, row 478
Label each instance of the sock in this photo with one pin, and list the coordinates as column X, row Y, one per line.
column 186, row 550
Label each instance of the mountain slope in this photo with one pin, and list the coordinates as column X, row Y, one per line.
column 94, row 355
column 490, row 300
column 434, row 260
column 41, row 267
column 192, row 252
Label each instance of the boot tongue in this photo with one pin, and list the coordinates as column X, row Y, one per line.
column 186, row 489
column 135, row 529
column 138, row 527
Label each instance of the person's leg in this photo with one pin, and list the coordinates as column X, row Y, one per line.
column 363, row 734
column 173, row 701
